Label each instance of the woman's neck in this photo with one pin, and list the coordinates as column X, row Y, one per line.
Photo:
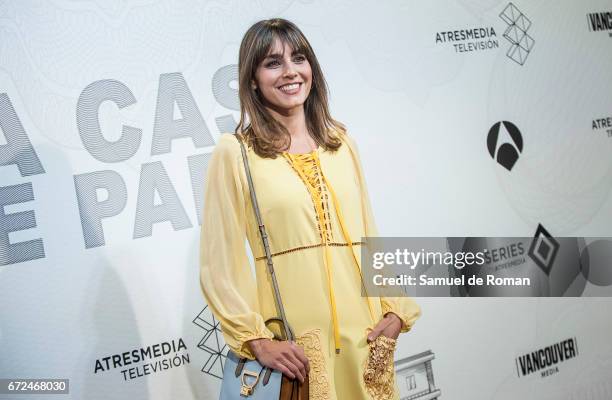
column 295, row 122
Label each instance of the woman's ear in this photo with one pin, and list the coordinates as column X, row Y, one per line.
column 253, row 84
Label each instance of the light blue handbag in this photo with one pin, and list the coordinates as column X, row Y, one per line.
column 248, row 378
column 245, row 379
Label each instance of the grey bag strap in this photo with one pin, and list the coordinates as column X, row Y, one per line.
column 264, row 238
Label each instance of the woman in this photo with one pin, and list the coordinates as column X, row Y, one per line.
column 314, row 204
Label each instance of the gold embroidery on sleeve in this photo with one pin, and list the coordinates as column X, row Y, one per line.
column 319, row 387
column 378, row 374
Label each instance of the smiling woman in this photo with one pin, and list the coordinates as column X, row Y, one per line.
column 276, row 57
column 282, row 91
column 314, row 204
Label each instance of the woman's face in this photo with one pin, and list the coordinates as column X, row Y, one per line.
column 284, row 79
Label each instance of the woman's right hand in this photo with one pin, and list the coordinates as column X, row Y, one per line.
column 284, row 356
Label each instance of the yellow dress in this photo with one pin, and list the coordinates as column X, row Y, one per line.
column 316, row 210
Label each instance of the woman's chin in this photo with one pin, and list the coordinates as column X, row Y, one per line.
column 288, row 106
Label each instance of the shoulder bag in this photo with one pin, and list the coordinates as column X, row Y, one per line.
column 248, row 379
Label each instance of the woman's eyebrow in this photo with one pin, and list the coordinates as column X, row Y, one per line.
column 278, row 55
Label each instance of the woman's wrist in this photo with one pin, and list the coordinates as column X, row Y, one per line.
column 257, row 345
column 395, row 316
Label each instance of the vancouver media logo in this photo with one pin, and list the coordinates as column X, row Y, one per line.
column 547, row 359
column 505, row 143
column 600, row 21
column 516, row 33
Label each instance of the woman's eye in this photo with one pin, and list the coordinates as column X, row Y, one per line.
column 273, row 63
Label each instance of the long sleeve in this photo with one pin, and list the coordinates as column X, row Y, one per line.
column 404, row 307
column 225, row 274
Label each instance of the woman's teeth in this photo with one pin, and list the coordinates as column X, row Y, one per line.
column 290, row 88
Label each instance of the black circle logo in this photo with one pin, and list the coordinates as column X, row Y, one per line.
column 505, row 153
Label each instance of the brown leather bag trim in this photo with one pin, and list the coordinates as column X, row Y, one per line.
column 240, row 366
column 292, row 389
column 267, row 376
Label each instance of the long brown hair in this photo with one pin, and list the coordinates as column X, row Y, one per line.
column 263, row 132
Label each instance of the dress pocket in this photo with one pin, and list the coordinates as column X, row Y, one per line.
column 378, row 374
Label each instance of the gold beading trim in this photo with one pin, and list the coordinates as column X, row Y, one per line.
column 310, row 246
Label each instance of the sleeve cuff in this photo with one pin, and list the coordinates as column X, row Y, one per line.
column 408, row 319
column 243, row 349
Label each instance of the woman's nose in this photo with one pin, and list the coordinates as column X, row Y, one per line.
column 289, row 70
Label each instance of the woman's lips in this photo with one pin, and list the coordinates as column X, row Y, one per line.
column 290, row 89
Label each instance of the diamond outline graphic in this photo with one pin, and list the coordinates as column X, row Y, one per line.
column 543, row 237
column 212, row 343
column 521, row 42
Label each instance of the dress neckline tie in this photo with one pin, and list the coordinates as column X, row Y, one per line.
column 308, row 167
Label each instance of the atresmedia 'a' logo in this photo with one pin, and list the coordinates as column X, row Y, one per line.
column 516, row 34
column 505, row 143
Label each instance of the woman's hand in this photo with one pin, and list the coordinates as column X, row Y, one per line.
column 390, row 326
column 284, row 356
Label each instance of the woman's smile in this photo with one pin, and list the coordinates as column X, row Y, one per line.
column 291, row 88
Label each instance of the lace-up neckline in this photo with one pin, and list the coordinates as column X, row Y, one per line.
column 308, row 167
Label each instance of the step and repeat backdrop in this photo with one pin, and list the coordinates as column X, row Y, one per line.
column 474, row 118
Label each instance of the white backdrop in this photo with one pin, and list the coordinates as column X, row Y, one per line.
column 109, row 230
